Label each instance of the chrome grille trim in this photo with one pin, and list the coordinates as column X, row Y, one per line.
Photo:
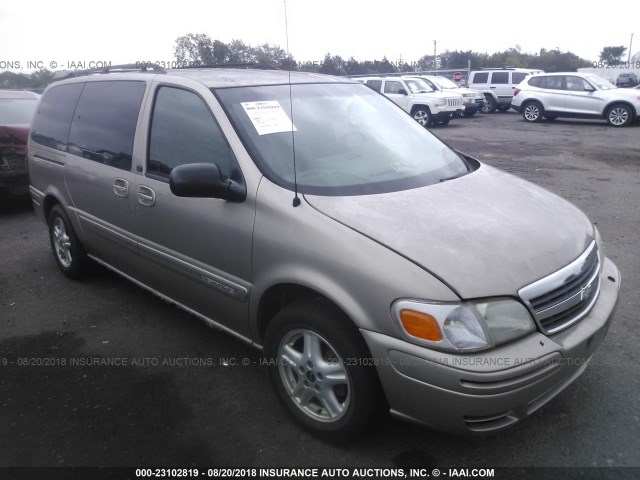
column 566, row 296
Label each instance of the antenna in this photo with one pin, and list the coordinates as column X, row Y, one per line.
column 296, row 199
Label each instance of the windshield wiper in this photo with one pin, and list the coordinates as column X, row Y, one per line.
column 454, row 176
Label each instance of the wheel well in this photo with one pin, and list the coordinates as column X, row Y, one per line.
column 48, row 204
column 619, row 102
column 416, row 107
column 529, row 102
column 279, row 296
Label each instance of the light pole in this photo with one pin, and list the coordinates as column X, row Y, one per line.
column 435, row 62
column 630, row 44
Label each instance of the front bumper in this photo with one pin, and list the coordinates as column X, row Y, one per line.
column 487, row 391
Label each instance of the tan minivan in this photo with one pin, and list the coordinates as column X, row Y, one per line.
column 378, row 269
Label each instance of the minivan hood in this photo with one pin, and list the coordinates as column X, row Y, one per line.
column 485, row 234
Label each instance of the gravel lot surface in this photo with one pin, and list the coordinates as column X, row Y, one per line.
column 155, row 415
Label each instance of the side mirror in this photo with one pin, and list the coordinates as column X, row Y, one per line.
column 402, row 91
column 589, row 88
column 203, row 180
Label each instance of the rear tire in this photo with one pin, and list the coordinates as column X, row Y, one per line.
column 67, row 249
column 321, row 370
column 532, row 112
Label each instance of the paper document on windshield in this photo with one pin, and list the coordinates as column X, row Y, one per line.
column 268, row 117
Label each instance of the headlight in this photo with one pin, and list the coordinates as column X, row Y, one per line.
column 468, row 94
column 462, row 327
column 442, row 102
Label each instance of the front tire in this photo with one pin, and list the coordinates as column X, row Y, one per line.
column 67, row 249
column 619, row 115
column 422, row 115
column 321, row 370
column 532, row 112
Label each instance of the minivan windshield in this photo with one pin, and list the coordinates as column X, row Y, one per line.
column 349, row 140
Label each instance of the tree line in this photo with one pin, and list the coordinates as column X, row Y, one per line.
column 200, row 49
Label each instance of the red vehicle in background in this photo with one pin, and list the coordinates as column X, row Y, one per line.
column 17, row 108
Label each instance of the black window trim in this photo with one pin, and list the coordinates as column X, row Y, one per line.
column 165, row 178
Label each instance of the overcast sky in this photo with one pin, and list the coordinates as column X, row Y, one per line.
column 119, row 31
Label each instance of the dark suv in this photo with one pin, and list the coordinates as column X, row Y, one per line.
column 627, row 79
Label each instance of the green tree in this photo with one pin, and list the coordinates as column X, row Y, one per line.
column 612, row 55
column 195, row 49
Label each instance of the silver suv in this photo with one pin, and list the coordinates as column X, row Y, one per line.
column 575, row 95
column 377, row 269
column 498, row 85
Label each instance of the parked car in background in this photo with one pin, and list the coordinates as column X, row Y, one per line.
column 627, row 79
column 418, row 99
column 498, row 85
column 575, row 95
column 473, row 100
column 16, row 111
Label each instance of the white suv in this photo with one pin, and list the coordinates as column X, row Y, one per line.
column 473, row 99
column 575, row 95
column 418, row 99
column 498, row 85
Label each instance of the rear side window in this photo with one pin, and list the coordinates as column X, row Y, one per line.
column 374, row 84
column 552, row 83
column 53, row 118
column 482, row 77
column 104, row 124
column 501, row 78
column 183, row 131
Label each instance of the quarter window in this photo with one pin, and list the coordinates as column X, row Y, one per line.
column 184, row 131
column 104, row 124
column 53, row 118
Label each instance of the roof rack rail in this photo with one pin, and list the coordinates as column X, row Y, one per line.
column 506, row 67
column 257, row 65
column 142, row 67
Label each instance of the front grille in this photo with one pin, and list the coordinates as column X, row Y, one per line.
column 454, row 102
column 564, row 297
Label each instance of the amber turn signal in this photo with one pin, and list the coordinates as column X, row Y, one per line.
column 420, row 325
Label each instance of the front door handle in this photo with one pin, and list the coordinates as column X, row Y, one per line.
column 121, row 187
column 146, row 196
